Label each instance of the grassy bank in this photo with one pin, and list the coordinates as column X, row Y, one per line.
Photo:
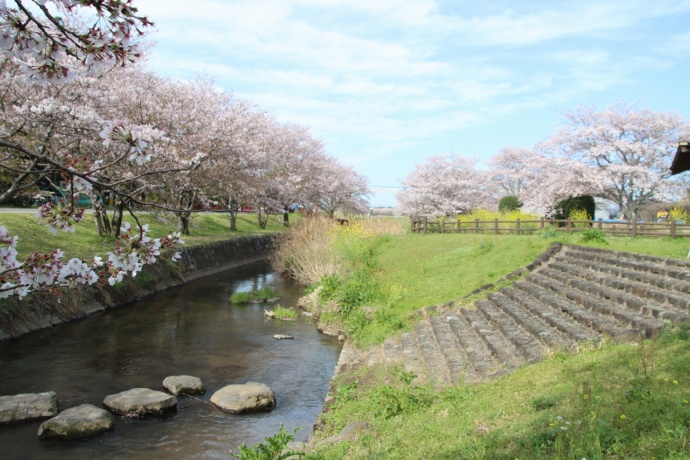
column 373, row 284
column 626, row 401
column 85, row 242
column 603, row 401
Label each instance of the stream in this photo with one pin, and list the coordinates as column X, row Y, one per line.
column 190, row 330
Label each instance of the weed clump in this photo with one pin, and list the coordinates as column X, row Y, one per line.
column 264, row 294
column 594, row 235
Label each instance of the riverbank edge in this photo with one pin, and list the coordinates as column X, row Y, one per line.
column 42, row 310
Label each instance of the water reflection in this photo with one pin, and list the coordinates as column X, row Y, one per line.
column 189, row 330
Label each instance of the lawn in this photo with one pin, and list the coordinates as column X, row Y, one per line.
column 84, row 243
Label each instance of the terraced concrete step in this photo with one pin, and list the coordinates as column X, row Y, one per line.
column 631, row 302
column 477, row 351
column 647, row 278
column 671, row 294
column 500, row 346
column 535, row 325
column 635, row 320
column 431, row 353
column 531, row 348
column 602, row 324
column 671, row 268
column 412, row 358
column 459, row 365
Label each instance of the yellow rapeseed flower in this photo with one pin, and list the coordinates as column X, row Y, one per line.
column 623, row 417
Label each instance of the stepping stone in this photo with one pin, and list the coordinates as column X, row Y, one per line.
column 140, row 401
column 184, row 384
column 28, row 406
column 250, row 397
column 78, row 422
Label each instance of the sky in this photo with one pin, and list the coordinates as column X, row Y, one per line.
column 387, row 83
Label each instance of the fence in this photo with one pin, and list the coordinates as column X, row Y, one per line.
column 526, row 227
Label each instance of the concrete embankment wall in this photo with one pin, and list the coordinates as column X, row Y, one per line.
column 42, row 310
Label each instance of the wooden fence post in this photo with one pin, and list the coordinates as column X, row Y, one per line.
column 634, row 228
column 517, row 226
column 476, row 226
column 495, row 226
column 541, row 223
column 673, row 229
column 568, row 225
column 426, row 225
column 440, row 225
column 458, row 227
column 599, row 224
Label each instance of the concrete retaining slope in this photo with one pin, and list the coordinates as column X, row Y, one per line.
column 42, row 310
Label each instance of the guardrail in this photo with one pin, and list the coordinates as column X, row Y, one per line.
column 526, row 227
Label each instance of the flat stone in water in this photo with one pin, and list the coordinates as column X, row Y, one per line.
column 28, row 406
column 78, row 422
column 184, row 384
column 249, row 397
column 140, row 401
column 282, row 337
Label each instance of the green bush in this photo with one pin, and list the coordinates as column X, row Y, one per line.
column 594, row 235
column 563, row 209
column 509, row 203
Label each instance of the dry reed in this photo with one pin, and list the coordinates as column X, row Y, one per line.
column 306, row 252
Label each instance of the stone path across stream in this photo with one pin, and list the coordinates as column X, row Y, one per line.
column 572, row 295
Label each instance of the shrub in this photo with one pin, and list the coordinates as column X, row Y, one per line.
column 509, row 203
column 594, row 235
column 678, row 213
column 579, row 215
column 549, row 233
column 563, row 209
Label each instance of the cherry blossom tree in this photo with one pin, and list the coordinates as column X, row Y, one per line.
column 39, row 36
column 627, row 153
column 538, row 180
column 49, row 130
column 340, row 188
column 444, row 185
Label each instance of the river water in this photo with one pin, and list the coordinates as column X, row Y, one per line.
column 191, row 330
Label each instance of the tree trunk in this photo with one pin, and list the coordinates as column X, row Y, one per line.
column 263, row 217
column 183, row 223
column 100, row 215
column 117, row 217
column 232, row 210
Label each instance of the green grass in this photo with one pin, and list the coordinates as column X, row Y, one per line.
column 429, row 267
column 84, row 243
column 612, row 401
column 385, row 280
column 609, row 401
column 285, row 313
column 259, row 295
